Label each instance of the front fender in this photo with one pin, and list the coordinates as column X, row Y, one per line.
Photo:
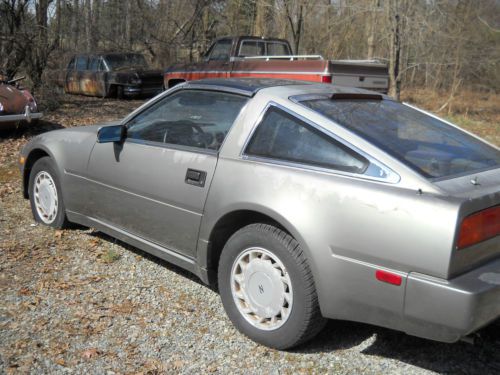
column 69, row 150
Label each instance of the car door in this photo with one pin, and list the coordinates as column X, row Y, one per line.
column 96, row 77
column 70, row 78
column 81, row 67
column 154, row 184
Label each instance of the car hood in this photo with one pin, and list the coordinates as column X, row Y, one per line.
column 69, row 135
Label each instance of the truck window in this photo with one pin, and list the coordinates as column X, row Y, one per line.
column 81, row 63
column 277, row 49
column 221, row 50
column 252, row 48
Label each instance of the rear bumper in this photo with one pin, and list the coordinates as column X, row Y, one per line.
column 446, row 310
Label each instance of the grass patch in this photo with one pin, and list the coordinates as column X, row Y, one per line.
column 110, row 256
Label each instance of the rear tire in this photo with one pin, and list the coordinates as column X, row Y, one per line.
column 45, row 194
column 267, row 287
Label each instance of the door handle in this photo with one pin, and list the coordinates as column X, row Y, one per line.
column 195, row 177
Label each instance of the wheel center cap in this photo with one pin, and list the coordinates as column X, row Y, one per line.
column 46, row 199
column 264, row 288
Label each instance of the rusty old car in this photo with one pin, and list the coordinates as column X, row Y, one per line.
column 110, row 75
column 300, row 201
column 17, row 105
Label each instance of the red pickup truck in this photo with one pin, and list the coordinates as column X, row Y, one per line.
column 250, row 56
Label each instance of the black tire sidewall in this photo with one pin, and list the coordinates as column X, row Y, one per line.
column 290, row 332
column 46, row 164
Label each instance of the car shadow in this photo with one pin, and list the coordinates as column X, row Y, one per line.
column 480, row 357
column 25, row 130
column 163, row 263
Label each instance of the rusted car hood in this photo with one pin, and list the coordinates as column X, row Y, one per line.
column 12, row 99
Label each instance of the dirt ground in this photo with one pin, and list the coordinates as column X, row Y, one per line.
column 78, row 301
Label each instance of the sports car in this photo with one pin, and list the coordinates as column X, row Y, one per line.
column 301, row 202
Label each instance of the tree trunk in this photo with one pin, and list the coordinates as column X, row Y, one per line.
column 128, row 24
column 394, row 18
column 94, row 32
column 371, row 29
column 88, row 25
column 75, row 23
column 260, row 18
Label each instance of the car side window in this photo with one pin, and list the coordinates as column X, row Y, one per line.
column 221, row 50
column 81, row 63
column 192, row 118
column 282, row 136
column 94, row 63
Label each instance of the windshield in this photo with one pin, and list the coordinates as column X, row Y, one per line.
column 126, row 60
column 430, row 146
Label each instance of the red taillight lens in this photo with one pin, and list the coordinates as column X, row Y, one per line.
column 479, row 227
column 326, row 79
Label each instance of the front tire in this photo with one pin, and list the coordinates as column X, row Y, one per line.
column 45, row 194
column 267, row 288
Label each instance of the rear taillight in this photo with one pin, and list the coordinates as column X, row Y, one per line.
column 479, row 227
column 326, row 79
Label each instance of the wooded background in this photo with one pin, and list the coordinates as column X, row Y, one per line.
column 435, row 44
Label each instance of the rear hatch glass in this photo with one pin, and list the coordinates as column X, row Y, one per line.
column 430, row 146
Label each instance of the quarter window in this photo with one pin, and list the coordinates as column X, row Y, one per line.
column 192, row 118
column 252, row 48
column 285, row 137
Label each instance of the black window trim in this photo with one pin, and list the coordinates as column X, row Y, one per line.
column 173, row 146
column 392, row 177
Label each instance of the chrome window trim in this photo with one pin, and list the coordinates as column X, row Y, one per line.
column 392, row 177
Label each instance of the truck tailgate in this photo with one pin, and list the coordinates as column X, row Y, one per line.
column 367, row 75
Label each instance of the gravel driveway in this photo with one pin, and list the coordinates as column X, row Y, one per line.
column 77, row 301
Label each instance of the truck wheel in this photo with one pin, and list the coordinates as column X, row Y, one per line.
column 45, row 194
column 267, row 288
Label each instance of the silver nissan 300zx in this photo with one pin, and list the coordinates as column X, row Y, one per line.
column 300, row 201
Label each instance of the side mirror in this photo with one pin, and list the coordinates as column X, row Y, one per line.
column 115, row 133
